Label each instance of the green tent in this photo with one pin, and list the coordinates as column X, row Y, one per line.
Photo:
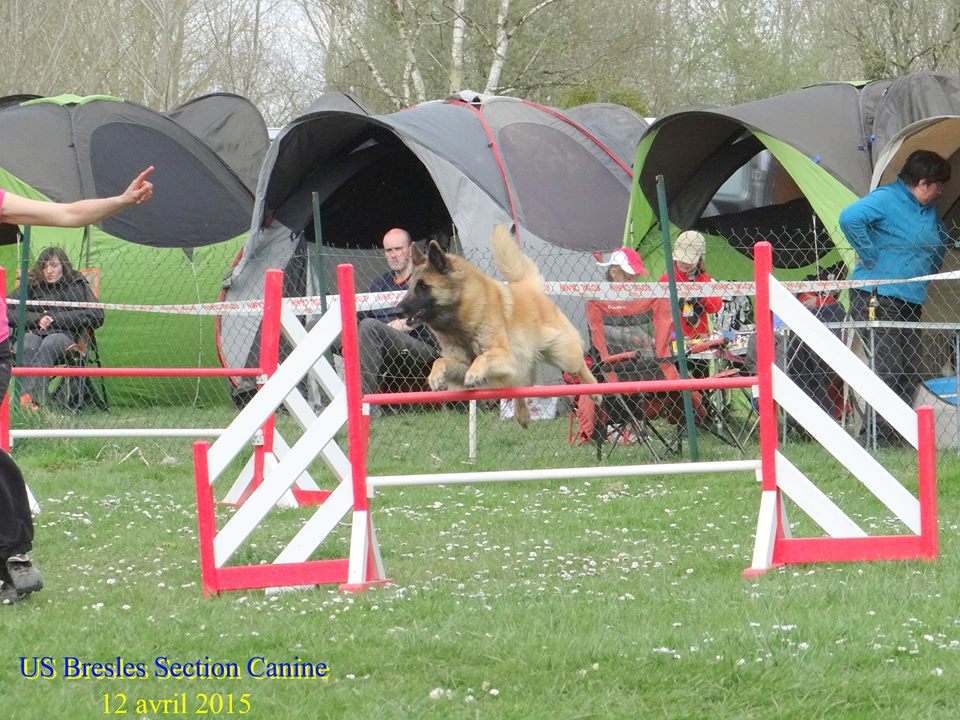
column 824, row 141
column 815, row 137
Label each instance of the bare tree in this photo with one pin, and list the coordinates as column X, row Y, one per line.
column 893, row 37
column 653, row 54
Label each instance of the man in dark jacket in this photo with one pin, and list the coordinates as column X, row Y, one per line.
column 387, row 343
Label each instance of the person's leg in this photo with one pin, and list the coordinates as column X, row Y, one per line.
column 900, row 351
column 896, row 351
column 51, row 352
column 16, row 530
column 907, row 352
column 413, row 354
column 811, row 374
column 379, row 342
column 6, row 364
column 371, row 337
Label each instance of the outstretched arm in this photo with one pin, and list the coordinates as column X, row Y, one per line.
column 24, row 211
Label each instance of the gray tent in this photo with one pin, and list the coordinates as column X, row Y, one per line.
column 619, row 128
column 911, row 98
column 68, row 148
column 446, row 169
column 173, row 249
column 232, row 127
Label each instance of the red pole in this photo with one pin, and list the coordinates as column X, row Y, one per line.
column 269, row 359
column 137, row 372
column 206, row 521
column 927, row 482
column 351, row 376
column 763, row 267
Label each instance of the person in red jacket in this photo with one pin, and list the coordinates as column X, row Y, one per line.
column 18, row 575
column 689, row 252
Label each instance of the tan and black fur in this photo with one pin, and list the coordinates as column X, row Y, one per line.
column 491, row 334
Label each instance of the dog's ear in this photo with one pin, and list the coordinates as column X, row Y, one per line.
column 438, row 258
column 417, row 256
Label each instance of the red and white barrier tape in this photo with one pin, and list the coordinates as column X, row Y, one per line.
column 559, row 288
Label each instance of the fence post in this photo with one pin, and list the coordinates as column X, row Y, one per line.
column 675, row 313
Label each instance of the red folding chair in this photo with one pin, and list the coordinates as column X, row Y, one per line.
column 629, row 341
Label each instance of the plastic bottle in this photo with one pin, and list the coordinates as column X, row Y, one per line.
column 873, row 306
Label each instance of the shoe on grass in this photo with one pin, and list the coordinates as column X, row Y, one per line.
column 23, row 575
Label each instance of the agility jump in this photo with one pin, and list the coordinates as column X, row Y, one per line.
column 844, row 540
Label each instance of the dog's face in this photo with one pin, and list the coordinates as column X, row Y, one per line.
column 432, row 296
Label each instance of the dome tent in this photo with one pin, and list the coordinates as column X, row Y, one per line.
column 942, row 135
column 446, row 168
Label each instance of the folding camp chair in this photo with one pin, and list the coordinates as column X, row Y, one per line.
column 625, row 346
column 710, row 408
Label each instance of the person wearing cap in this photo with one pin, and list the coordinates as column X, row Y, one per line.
column 631, row 333
column 624, row 265
column 897, row 234
column 689, row 251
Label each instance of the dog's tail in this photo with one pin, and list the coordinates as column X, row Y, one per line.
column 510, row 260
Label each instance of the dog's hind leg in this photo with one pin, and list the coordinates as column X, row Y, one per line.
column 520, row 409
column 565, row 351
column 521, row 412
column 447, row 374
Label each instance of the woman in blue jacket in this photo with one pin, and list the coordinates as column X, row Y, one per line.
column 897, row 236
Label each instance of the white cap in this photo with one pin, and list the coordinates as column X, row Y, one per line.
column 689, row 247
column 627, row 260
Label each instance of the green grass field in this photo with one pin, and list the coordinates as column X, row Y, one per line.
column 608, row 598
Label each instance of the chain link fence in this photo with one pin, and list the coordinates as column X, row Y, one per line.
column 918, row 359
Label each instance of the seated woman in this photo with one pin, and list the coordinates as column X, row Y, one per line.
column 51, row 330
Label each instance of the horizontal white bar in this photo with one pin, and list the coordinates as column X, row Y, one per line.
column 116, row 432
column 563, row 473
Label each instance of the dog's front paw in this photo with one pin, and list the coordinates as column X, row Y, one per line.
column 472, row 381
column 476, row 375
column 437, row 379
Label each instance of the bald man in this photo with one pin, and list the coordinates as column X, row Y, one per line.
column 384, row 336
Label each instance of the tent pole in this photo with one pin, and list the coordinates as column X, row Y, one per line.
column 320, row 264
column 816, row 250
column 85, row 247
column 675, row 312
